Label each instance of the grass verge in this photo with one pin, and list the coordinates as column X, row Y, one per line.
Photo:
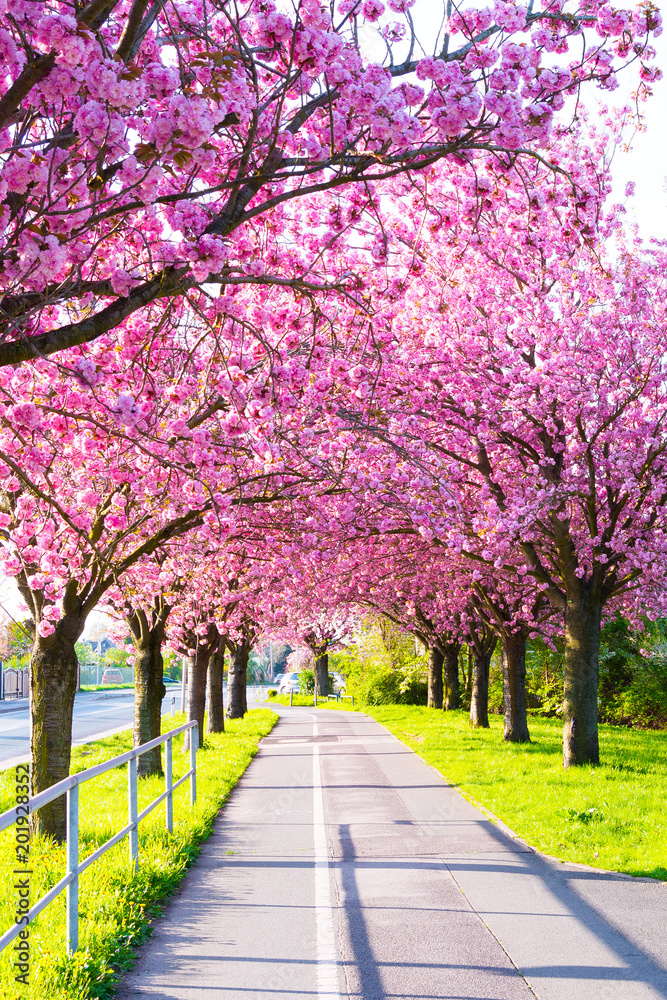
column 107, row 687
column 609, row 816
column 116, row 907
column 306, row 701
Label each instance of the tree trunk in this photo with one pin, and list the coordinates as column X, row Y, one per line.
column 148, row 634
column 237, row 704
column 514, row 687
column 453, row 691
column 469, row 671
column 197, row 689
column 215, row 721
column 580, row 702
column 435, row 691
column 479, row 701
column 322, row 675
column 53, row 678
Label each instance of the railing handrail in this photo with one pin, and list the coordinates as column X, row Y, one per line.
column 36, row 802
column 70, row 786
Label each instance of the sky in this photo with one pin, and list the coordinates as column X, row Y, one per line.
column 644, row 162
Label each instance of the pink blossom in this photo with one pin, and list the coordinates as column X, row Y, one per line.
column 372, row 10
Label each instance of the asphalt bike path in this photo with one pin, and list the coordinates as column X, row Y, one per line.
column 345, row 866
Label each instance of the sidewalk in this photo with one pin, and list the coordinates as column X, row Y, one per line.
column 344, row 866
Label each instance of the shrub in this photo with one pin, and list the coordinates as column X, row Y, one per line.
column 307, row 682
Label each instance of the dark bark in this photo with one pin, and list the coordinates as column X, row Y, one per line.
column 479, row 700
column 215, row 719
column 469, row 671
column 197, row 688
column 53, row 679
column 514, row 687
column 435, row 689
column 580, row 702
column 452, row 686
column 237, row 703
column 483, row 642
column 322, row 675
column 148, row 630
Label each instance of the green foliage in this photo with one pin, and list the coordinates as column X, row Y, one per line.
column 18, row 641
column 115, row 657
column 307, row 682
column 85, row 654
column 610, row 816
column 272, row 693
column 544, row 676
column 17, row 662
column 633, row 675
column 382, row 667
column 173, row 666
column 117, row 905
column 496, row 704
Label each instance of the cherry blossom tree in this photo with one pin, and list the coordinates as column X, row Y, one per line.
column 103, row 462
column 539, row 393
column 149, row 148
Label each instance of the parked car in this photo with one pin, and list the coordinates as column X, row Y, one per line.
column 290, row 682
column 112, row 676
column 168, row 680
column 277, row 679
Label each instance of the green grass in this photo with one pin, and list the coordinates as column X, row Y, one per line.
column 609, row 816
column 106, row 687
column 116, row 907
column 306, row 701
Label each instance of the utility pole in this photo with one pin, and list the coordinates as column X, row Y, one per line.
column 271, row 656
column 184, row 680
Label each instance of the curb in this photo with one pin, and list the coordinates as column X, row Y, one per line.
column 17, row 708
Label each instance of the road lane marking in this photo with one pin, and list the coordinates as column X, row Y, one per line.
column 78, row 739
column 327, row 953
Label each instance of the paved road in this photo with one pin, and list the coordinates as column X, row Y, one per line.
column 95, row 713
column 344, row 866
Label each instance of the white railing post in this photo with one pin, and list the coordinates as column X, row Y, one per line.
column 70, row 786
column 194, row 743
column 133, row 811
column 168, row 782
column 73, row 867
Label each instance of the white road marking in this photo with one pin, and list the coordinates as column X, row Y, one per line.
column 327, row 953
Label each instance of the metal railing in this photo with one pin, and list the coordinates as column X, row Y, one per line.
column 336, row 697
column 71, row 787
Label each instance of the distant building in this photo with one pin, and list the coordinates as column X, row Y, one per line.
column 102, row 646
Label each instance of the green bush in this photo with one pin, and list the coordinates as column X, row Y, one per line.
column 307, row 682
column 383, row 667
